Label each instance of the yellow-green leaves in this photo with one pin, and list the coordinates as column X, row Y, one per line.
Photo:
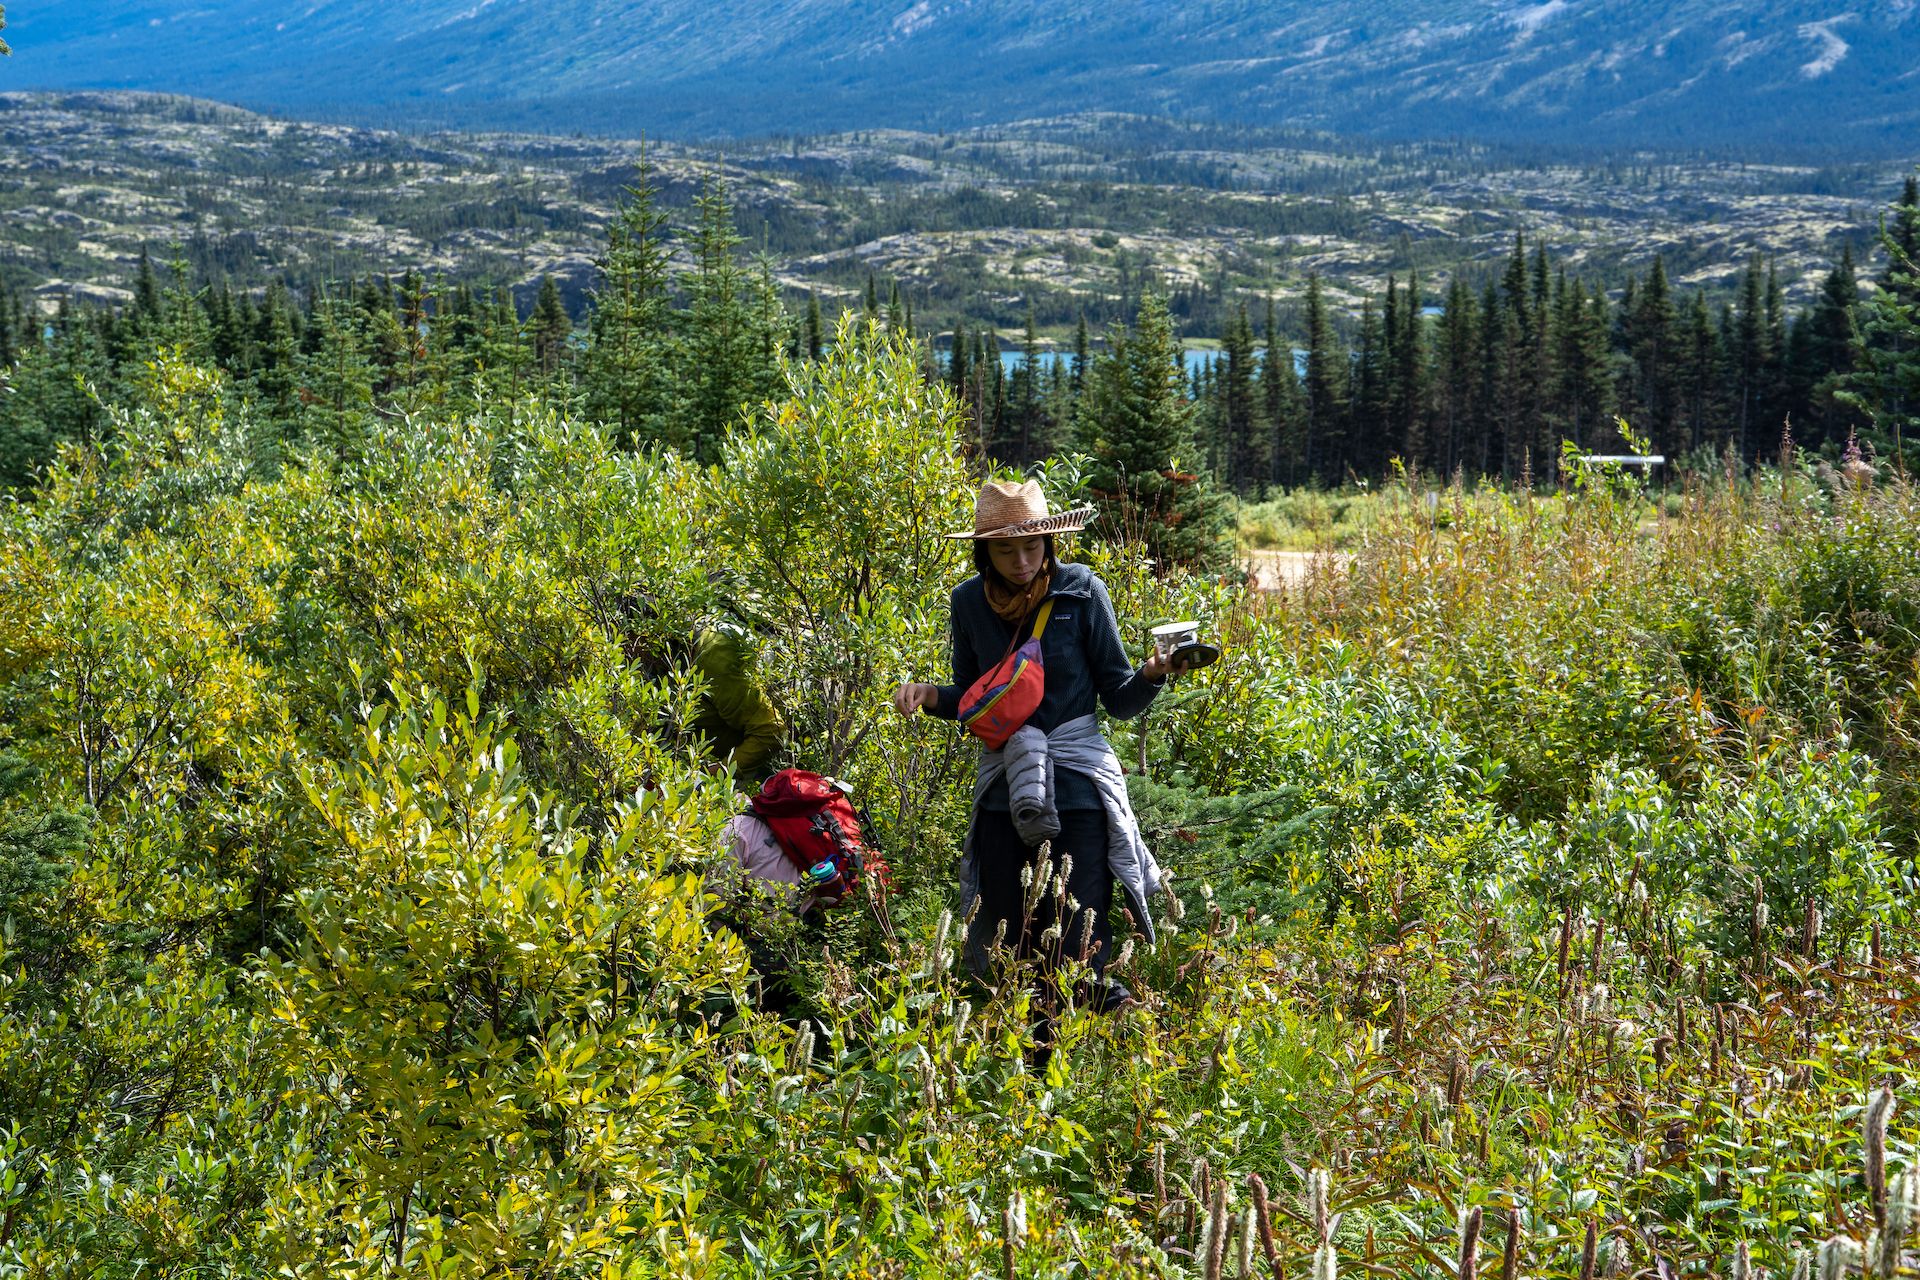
column 511, row 1009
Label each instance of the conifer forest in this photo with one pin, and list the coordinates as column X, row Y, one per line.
column 1541, row 855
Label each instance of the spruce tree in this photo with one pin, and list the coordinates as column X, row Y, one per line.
column 1455, row 348
column 549, row 329
column 1581, row 362
column 993, row 428
column 1517, row 405
column 1779, row 337
column 1490, row 437
column 9, row 344
column 1323, row 437
column 728, row 362
column 456, row 337
column 48, row 401
column 769, row 332
column 1826, row 356
column 1243, row 438
column 1026, row 431
column 503, row 354
column 277, row 382
column 226, row 341
column 1207, row 420
column 1883, row 385
column 1543, row 444
column 1700, row 378
column 1136, row 427
column 1057, row 402
column 816, row 340
column 246, row 318
column 1280, row 401
column 1902, row 240
column 339, row 380
column 146, row 291
column 960, row 364
column 1752, row 359
column 420, row 378
column 1080, row 353
column 1369, row 427
column 625, row 370
column 184, row 323
column 1410, row 381
column 975, row 393
column 1651, row 342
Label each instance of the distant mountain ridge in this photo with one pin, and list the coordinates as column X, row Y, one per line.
column 1659, row 72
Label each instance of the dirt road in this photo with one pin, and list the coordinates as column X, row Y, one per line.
column 1291, row 570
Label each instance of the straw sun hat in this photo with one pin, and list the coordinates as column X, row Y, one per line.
column 1008, row 510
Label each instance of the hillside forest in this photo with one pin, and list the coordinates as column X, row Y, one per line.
column 1436, row 376
column 1543, row 871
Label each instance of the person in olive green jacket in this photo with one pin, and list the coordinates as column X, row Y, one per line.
column 740, row 725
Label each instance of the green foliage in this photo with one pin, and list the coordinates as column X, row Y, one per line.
column 50, row 398
column 1332, row 792
column 835, row 507
column 734, row 333
column 339, row 380
column 361, row 909
column 38, row 850
column 1734, row 868
column 624, row 372
column 495, row 1006
column 1135, row 428
column 1307, row 520
column 1884, row 384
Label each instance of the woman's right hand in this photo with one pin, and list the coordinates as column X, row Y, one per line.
column 909, row 698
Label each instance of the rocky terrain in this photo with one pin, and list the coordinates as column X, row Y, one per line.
column 1058, row 214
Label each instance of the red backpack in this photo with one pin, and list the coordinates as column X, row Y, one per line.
column 817, row 827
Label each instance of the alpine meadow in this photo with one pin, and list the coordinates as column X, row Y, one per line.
column 1539, row 892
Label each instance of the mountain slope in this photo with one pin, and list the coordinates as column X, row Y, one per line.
column 1656, row 71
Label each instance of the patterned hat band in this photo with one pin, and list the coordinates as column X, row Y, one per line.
column 1008, row 510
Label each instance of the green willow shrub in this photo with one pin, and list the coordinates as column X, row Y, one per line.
column 38, row 848
column 1337, row 789
column 834, row 505
column 1796, row 613
column 1806, row 827
column 179, row 441
column 304, row 972
column 498, row 1014
column 607, row 522
column 830, row 507
column 1754, row 848
column 516, row 544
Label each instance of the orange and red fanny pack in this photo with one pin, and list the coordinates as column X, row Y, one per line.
column 1003, row 699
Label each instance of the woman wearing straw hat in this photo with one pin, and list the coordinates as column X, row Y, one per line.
column 1056, row 779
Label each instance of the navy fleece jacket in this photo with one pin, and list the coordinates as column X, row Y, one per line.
column 1084, row 660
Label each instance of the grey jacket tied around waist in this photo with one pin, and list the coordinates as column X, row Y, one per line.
column 1028, row 762
column 1032, row 801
